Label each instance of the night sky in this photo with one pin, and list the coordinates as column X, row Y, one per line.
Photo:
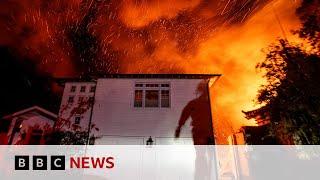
column 44, row 40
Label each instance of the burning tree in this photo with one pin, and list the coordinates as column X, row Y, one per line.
column 291, row 97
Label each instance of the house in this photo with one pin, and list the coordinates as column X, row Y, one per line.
column 28, row 126
column 141, row 108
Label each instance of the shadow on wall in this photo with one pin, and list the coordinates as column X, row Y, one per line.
column 202, row 133
column 199, row 111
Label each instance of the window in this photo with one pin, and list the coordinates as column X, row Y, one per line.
column 73, row 89
column 92, row 88
column 91, row 100
column 152, row 98
column 152, row 85
column 71, row 99
column 83, row 89
column 138, row 96
column 152, row 95
column 77, row 120
column 139, row 85
column 165, row 99
column 81, row 98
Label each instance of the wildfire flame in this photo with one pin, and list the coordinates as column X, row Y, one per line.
column 78, row 37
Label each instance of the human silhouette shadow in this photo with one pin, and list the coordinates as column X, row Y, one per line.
column 202, row 131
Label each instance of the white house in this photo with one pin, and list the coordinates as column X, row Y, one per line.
column 28, row 126
column 141, row 108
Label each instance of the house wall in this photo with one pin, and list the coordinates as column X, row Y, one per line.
column 120, row 122
column 68, row 111
column 30, row 121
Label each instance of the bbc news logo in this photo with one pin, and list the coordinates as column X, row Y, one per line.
column 59, row 162
column 39, row 163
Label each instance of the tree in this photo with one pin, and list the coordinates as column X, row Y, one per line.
column 291, row 96
column 65, row 132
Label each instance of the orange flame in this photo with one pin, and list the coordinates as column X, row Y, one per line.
column 155, row 37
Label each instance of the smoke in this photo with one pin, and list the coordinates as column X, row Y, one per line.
column 89, row 37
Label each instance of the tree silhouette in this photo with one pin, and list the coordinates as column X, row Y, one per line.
column 291, row 97
column 66, row 132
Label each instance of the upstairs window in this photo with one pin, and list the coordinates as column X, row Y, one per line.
column 91, row 100
column 71, row 99
column 83, row 89
column 165, row 85
column 152, row 95
column 77, row 120
column 139, row 85
column 81, row 99
column 92, row 88
column 165, row 98
column 138, row 96
column 73, row 89
column 152, row 98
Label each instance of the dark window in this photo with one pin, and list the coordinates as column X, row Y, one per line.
column 152, row 85
column 165, row 85
column 80, row 99
column 152, row 98
column 73, row 89
column 165, row 98
column 83, row 89
column 92, row 88
column 139, row 85
column 77, row 120
column 71, row 99
column 91, row 99
column 138, row 95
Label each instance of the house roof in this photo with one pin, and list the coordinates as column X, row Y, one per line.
column 38, row 109
column 139, row 76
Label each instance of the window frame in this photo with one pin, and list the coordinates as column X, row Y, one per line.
column 145, row 99
column 75, row 120
column 73, row 89
column 134, row 99
column 158, row 86
column 92, row 89
column 169, row 98
column 69, row 101
column 81, row 99
column 83, row 90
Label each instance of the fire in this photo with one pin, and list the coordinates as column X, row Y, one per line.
column 139, row 14
column 235, row 52
column 81, row 37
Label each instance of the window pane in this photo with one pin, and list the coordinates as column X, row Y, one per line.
column 165, row 98
column 83, row 89
column 77, row 120
column 92, row 88
column 152, row 85
column 138, row 98
column 71, row 99
column 80, row 100
column 139, row 85
column 165, row 85
column 152, row 98
column 73, row 89
column 91, row 100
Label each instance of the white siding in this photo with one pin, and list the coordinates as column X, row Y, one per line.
column 30, row 120
column 66, row 108
column 116, row 117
